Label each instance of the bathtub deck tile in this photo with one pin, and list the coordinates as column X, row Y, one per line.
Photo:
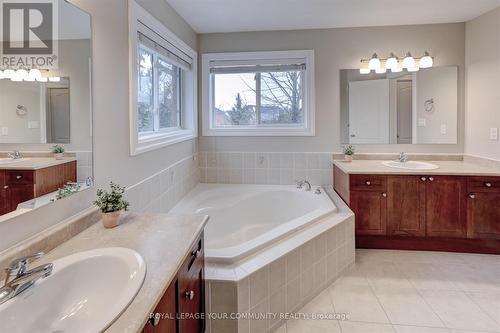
column 259, row 286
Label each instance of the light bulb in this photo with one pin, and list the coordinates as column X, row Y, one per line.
column 409, row 61
column 392, row 62
column 54, row 79
column 413, row 69
column 426, row 61
column 9, row 73
column 397, row 69
column 22, row 73
column 374, row 62
column 381, row 70
column 1, row 75
column 17, row 77
column 364, row 71
column 33, row 75
column 41, row 79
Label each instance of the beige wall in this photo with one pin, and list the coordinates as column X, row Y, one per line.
column 337, row 49
column 111, row 125
column 483, row 84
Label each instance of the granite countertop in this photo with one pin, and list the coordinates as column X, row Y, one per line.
column 35, row 163
column 163, row 241
column 458, row 168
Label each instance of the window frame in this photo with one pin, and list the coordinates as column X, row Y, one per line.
column 187, row 130
column 305, row 129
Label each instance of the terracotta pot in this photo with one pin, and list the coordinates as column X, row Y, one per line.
column 58, row 156
column 348, row 158
column 111, row 220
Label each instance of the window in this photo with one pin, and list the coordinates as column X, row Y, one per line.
column 163, row 89
column 258, row 94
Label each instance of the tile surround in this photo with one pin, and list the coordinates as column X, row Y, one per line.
column 265, row 168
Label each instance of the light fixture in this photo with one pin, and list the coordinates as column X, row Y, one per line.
column 41, row 79
column 374, row 62
column 22, row 73
column 409, row 61
column 413, row 69
column 8, row 73
column 364, row 68
column 397, row 69
column 391, row 62
column 381, row 70
column 54, row 78
column 426, row 61
column 17, row 77
column 1, row 74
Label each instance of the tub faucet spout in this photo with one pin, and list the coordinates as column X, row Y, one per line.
column 300, row 185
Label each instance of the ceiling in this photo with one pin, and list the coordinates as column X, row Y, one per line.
column 207, row 16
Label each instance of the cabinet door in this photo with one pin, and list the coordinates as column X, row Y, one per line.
column 446, row 200
column 370, row 210
column 406, row 206
column 19, row 194
column 483, row 215
column 4, row 194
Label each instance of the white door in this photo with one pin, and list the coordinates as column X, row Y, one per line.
column 369, row 111
column 58, row 129
column 405, row 111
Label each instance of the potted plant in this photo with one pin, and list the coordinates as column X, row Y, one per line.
column 58, row 152
column 348, row 153
column 111, row 204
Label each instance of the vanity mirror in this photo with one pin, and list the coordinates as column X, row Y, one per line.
column 399, row 108
column 45, row 106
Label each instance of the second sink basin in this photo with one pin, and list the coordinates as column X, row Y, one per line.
column 86, row 292
column 410, row 165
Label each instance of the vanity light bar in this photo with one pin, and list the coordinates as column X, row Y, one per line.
column 30, row 75
column 395, row 63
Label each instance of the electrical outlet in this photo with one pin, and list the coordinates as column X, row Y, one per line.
column 494, row 133
column 5, row 131
column 444, row 129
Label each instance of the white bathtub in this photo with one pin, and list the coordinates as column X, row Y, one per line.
column 247, row 218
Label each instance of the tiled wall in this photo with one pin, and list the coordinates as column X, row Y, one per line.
column 160, row 192
column 265, row 168
column 286, row 284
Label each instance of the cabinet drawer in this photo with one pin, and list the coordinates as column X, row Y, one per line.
column 483, row 184
column 19, row 177
column 368, row 183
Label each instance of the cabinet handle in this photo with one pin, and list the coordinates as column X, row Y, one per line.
column 472, row 196
column 368, row 182
column 155, row 320
column 190, row 295
column 19, row 177
column 431, row 179
column 384, row 195
column 423, row 179
column 487, row 184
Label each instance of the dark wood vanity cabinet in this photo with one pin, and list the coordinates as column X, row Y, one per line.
column 18, row 186
column 182, row 307
column 451, row 213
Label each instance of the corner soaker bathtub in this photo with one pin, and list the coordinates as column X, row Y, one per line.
column 247, row 218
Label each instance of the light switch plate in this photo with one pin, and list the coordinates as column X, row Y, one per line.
column 422, row 122
column 5, row 131
column 494, row 133
column 444, row 129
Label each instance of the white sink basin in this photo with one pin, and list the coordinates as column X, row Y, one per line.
column 410, row 165
column 7, row 160
column 86, row 292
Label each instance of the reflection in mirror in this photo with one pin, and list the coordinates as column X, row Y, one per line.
column 51, row 109
column 399, row 108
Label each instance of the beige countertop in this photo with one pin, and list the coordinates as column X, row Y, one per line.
column 458, row 168
column 163, row 241
column 35, row 163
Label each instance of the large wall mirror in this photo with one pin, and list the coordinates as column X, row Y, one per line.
column 399, row 108
column 41, row 108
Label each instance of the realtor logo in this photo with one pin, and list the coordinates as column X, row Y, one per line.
column 29, row 33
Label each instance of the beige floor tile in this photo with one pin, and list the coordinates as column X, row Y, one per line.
column 320, row 304
column 385, row 275
column 427, row 276
column 489, row 302
column 282, row 329
column 407, row 307
column 312, row 326
column 356, row 327
column 419, row 329
column 358, row 302
column 458, row 311
column 470, row 278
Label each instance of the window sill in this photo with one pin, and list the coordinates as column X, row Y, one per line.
column 155, row 141
column 276, row 131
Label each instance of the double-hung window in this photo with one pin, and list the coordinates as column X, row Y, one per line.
column 163, row 89
column 258, row 94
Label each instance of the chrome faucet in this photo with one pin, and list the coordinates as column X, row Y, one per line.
column 301, row 183
column 18, row 277
column 15, row 155
column 403, row 158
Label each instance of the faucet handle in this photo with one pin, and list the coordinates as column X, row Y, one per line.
column 20, row 264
